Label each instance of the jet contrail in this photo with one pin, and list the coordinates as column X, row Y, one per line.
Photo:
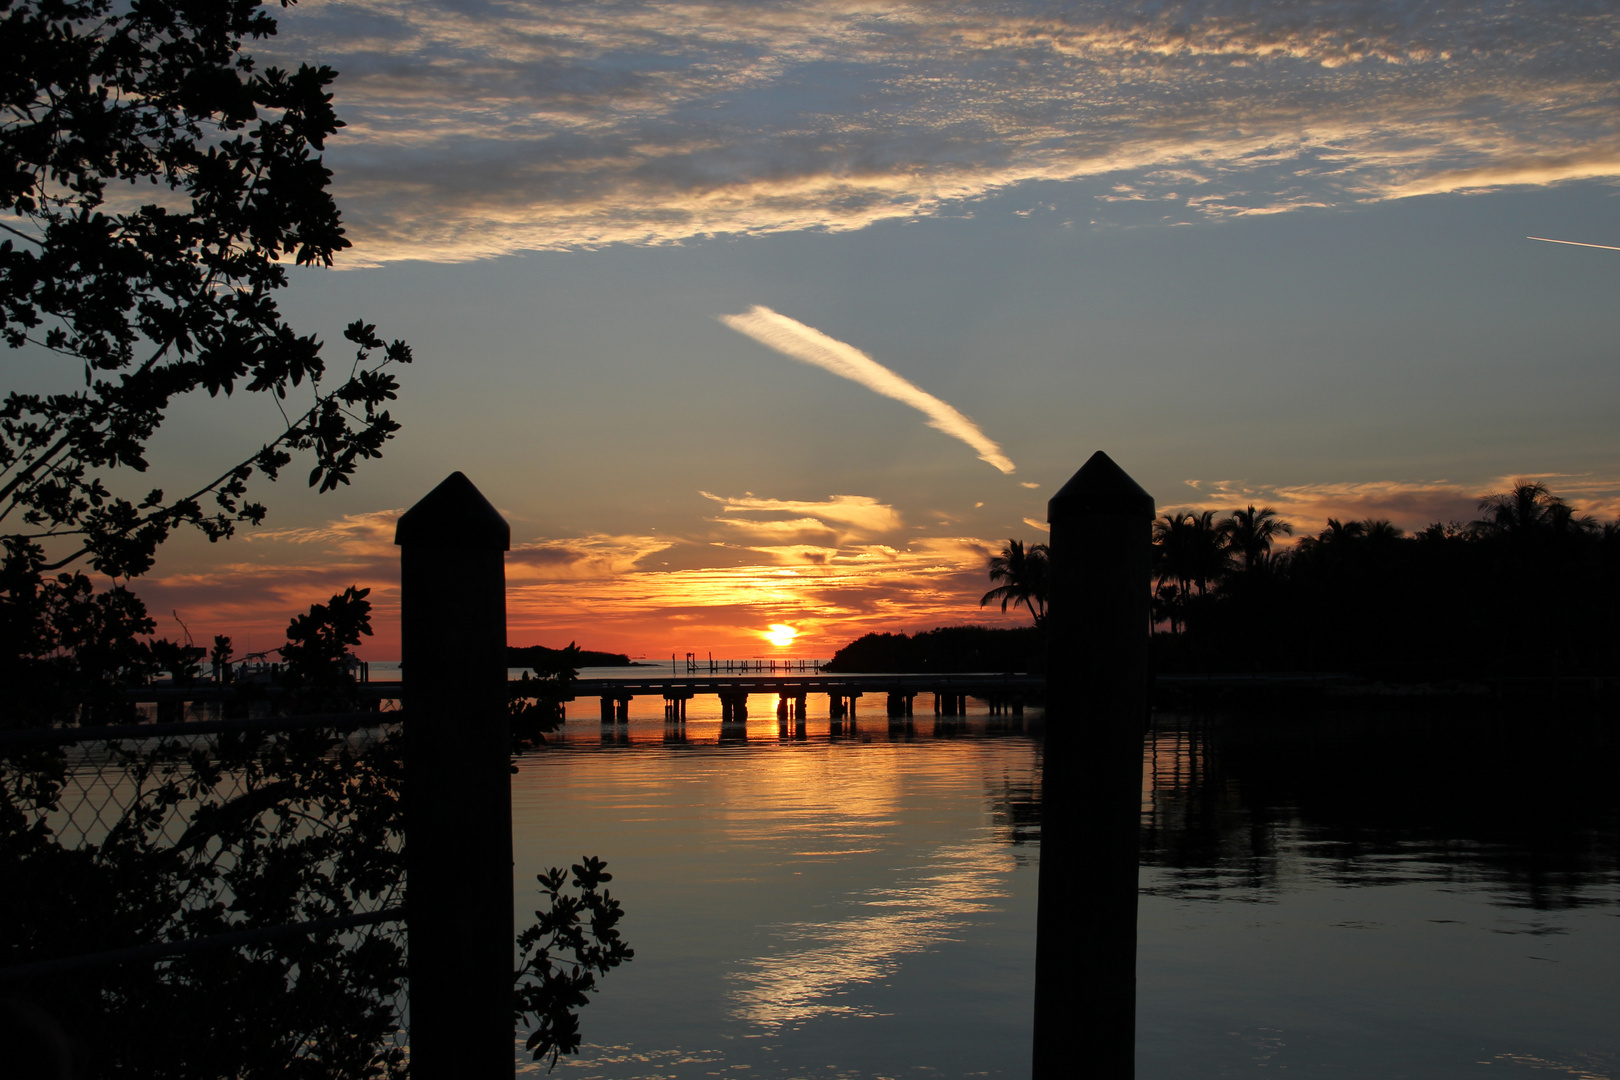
column 792, row 338
column 1572, row 243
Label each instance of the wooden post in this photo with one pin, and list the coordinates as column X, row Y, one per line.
column 458, row 795
column 1096, row 705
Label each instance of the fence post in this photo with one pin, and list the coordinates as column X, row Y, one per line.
column 458, row 794
column 1096, row 704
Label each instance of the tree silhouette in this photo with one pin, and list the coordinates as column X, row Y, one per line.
column 1529, row 509
column 1172, row 556
column 1023, row 574
column 105, row 103
column 1251, row 532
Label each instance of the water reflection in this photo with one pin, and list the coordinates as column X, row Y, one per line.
column 841, row 905
column 1374, row 896
column 825, row 962
column 1528, row 808
column 1378, row 896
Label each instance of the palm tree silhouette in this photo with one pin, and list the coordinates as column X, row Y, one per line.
column 1252, row 532
column 1172, row 556
column 1023, row 574
column 1529, row 508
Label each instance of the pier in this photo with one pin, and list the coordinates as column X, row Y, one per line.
column 1005, row 694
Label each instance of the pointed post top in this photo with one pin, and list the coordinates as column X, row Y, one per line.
column 1100, row 487
column 454, row 515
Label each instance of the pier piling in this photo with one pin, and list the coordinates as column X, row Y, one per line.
column 458, row 795
column 1097, row 699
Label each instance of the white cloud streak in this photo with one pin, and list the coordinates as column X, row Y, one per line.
column 1573, row 243
column 792, row 338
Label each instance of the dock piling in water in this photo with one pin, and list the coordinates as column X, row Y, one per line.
column 458, row 795
column 1098, row 624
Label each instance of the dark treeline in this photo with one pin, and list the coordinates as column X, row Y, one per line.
column 1531, row 588
column 542, row 660
column 945, row 649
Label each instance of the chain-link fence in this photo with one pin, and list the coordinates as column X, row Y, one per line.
column 214, row 898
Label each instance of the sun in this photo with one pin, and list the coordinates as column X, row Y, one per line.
column 781, row 635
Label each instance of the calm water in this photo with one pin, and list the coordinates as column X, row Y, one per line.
column 1388, row 897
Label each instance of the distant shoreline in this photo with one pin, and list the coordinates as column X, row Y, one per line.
column 541, row 658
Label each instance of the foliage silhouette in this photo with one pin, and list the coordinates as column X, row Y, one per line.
column 1023, row 574
column 945, row 649
column 155, row 301
column 279, row 827
column 254, row 853
column 573, row 940
column 1251, row 533
column 537, row 699
column 156, row 179
column 1531, row 588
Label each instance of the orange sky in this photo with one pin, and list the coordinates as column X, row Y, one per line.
column 831, row 569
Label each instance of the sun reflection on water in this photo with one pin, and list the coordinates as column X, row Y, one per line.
column 826, row 962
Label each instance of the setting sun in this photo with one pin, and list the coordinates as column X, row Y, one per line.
column 781, row 635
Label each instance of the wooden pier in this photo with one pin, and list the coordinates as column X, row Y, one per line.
column 1006, row 694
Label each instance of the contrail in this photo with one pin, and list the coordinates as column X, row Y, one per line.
column 792, row 338
column 1572, row 243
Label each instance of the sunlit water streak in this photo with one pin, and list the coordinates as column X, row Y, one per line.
column 864, row 907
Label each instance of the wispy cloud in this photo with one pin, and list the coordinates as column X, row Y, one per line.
column 483, row 129
column 1573, row 243
column 856, row 517
column 792, row 338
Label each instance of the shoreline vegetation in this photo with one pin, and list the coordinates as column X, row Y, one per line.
column 1521, row 605
column 944, row 650
column 542, row 659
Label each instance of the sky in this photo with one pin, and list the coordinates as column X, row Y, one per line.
column 777, row 312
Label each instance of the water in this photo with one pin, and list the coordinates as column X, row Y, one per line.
column 1385, row 897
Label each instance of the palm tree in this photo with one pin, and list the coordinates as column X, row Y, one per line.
column 1529, row 508
column 1172, row 551
column 1340, row 532
column 1380, row 531
column 1252, row 532
column 1206, row 544
column 1023, row 576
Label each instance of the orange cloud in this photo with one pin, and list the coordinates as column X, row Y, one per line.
column 657, row 595
column 853, row 516
column 830, row 599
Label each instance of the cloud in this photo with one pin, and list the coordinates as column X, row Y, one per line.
column 792, row 338
column 617, row 591
column 368, row 535
column 853, row 516
column 1573, row 243
column 581, row 558
column 484, row 129
column 1035, row 524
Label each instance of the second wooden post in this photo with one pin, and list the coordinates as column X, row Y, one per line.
column 1096, row 708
